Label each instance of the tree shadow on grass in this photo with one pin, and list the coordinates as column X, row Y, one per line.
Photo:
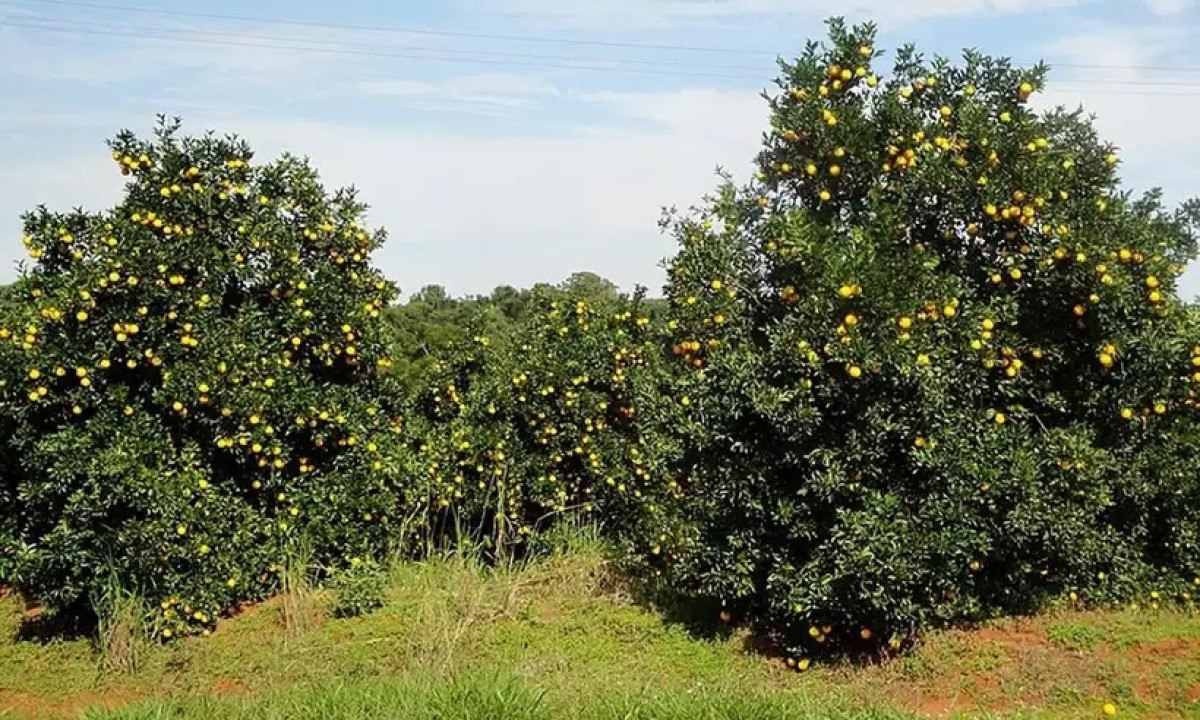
column 44, row 628
column 708, row 619
column 702, row 618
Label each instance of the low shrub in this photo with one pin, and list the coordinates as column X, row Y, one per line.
column 358, row 589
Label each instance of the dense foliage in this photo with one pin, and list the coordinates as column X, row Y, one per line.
column 554, row 416
column 936, row 364
column 431, row 324
column 194, row 378
column 929, row 365
column 208, row 383
column 8, row 479
column 358, row 589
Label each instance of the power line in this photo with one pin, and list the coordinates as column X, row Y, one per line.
column 365, row 53
column 535, row 56
column 1132, row 93
column 48, row 24
column 400, row 29
column 482, row 57
column 513, row 38
column 1139, row 68
column 341, row 44
column 1088, row 86
column 1136, row 83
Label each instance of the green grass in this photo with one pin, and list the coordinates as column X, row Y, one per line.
column 486, row 698
column 561, row 638
column 1075, row 635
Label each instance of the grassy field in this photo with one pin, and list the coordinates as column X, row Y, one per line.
column 561, row 638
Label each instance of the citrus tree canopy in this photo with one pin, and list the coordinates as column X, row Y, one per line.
column 936, row 365
column 193, row 379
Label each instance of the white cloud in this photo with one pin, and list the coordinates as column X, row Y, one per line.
column 488, row 94
column 1156, row 136
column 520, row 206
column 87, row 49
column 1152, row 124
column 61, row 183
column 1189, row 284
column 78, row 57
column 1097, row 53
column 664, row 13
column 1170, row 7
column 726, row 118
column 471, row 212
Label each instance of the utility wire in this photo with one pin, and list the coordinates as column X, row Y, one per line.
column 482, row 57
column 399, row 29
column 512, row 38
column 1135, row 83
column 339, row 44
column 1137, row 68
column 169, row 35
column 366, row 53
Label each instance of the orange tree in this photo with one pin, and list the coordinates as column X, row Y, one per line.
column 9, row 367
column 935, row 363
column 194, row 380
column 549, row 418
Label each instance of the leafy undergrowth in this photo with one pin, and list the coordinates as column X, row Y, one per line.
column 559, row 638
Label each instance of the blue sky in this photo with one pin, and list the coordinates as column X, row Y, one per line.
column 522, row 159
